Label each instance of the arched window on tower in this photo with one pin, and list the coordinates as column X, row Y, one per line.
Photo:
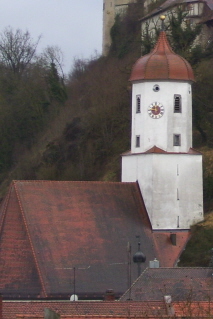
column 177, row 103
column 138, row 104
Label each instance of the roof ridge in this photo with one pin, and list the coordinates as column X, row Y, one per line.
column 167, row 54
column 30, row 240
column 152, row 150
column 142, row 203
column 182, row 268
column 5, row 203
column 132, row 285
column 82, row 182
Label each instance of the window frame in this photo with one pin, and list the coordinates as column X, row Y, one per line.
column 138, row 103
column 137, row 141
column 176, row 139
column 177, row 108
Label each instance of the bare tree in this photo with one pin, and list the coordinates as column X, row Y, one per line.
column 53, row 55
column 17, row 49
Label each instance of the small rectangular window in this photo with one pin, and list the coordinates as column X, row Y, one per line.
column 138, row 104
column 177, row 103
column 176, row 140
column 138, row 141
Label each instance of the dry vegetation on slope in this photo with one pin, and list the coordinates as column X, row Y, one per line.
column 77, row 130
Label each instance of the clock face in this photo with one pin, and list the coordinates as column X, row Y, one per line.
column 156, row 110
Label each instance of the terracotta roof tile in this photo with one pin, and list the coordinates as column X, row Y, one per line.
column 157, row 150
column 18, row 271
column 13, row 309
column 192, row 284
column 162, row 64
column 129, row 309
column 60, row 225
column 198, row 309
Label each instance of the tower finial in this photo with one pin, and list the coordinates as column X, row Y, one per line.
column 162, row 17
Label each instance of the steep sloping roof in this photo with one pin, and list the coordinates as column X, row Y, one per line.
column 191, row 284
column 162, row 64
column 18, row 269
column 50, row 227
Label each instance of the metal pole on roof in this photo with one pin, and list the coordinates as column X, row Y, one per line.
column 129, row 256
column 74, row 296
column 139, row 257
column 162, row 17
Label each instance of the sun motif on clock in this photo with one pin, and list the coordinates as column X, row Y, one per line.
column 156, row 110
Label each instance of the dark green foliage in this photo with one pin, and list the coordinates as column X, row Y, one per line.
column 148, row 42
column 198, row 252
column 202, row 106
column 125, row 33
column 29, row 99
column 96, row 136
column 208, row 187
column 57, row 88
column 183, row 34
column 182, row 37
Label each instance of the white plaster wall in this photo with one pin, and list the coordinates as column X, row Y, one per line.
column 140, row 168
column 171, row 186
column 160, row 131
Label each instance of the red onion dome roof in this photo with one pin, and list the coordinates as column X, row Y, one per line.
column 162, row 64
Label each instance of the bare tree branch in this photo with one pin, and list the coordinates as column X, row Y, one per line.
column 17, row 49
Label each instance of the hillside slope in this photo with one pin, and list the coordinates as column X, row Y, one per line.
column 83, row 136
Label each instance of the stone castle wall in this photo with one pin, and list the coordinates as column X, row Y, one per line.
column 110, row 9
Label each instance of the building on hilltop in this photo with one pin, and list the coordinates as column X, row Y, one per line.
column 110, row 9
column 197, row 12
column 62, row 238
column 200, row 11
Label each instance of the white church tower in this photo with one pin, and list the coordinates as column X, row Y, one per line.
column 162, row 160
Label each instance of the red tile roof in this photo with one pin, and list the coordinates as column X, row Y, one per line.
column 67, row 309
column 49, row 227
column 162, row 64
column 191, row 284
column 198, row 309
column 16, row 252
column 157, row 150
column 106, row 310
